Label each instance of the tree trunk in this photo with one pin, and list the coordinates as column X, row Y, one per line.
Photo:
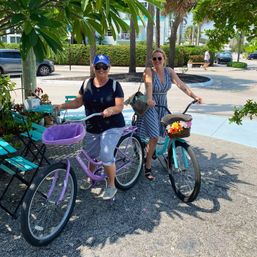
column 193, row 34
column 29, row 79
column 180, row 33
column 158, row 28
column 239, row 46
column 198, row 34
column 173, row 38
column 132, row 52
column 190, row 35
column 149, row 41
column 92, row 56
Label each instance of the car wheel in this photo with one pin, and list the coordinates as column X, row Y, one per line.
column 43, row 70
column 1, row 71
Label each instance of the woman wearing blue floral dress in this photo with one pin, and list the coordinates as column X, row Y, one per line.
column 158, row 81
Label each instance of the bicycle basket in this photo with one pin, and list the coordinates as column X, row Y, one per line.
column 64, row 141
column 177, row 125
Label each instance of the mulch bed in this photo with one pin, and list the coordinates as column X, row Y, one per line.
column 137, row 77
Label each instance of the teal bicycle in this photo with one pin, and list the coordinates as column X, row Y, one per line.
column 179, row 158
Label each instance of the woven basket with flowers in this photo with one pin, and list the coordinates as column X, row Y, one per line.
column 177, row 125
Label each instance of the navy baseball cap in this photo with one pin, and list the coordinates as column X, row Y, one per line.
column 101, row 58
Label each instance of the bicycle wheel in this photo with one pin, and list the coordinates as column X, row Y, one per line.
column 43, row 215
column 186, row 179
column 129, row 161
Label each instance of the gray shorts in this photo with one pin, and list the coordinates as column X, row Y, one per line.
column 102, row 146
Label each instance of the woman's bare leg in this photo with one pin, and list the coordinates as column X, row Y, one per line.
column 110, row 172
column 150, row 150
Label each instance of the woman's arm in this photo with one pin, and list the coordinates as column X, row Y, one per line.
column 148, row 79
column 117, row 108
column 181, row 85
column 76, row 103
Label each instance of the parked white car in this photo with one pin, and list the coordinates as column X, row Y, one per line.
column 10, row 62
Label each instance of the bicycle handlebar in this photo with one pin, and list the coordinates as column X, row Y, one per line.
column 57, row 114
column 86, row 118
column 162, row 106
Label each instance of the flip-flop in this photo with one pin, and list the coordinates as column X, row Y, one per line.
column 148, row 174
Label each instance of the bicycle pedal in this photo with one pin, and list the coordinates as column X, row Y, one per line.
column 87, row 185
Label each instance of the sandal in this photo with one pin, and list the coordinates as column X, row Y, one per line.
column 148, row 174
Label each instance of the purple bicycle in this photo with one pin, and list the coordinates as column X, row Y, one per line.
column 51, row 197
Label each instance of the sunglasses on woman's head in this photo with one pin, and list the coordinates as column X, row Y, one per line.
column 101, row 66
column 157, row 58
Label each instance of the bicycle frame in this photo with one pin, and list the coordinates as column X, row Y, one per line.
column 160, row 151
column 86, row 168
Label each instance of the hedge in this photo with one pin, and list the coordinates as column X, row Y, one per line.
column 119, row 54
column 78, row 54
column 241, row 65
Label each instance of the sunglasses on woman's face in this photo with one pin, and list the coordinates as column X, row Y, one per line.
column 157, row 58
column 101, row 66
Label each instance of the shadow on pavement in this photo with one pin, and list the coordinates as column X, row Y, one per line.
column 95, row 223
column 221, row 83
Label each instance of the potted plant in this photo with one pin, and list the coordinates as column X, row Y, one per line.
column 38, row 98
column 44, row 100
column 8, row 127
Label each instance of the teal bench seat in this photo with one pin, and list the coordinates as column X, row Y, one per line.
column 14, row 165
column 69, row 98
column 19, row 163
column 34, row 134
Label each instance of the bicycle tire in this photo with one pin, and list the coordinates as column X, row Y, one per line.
column 36, row 225
column 128, row 176
column 186, row 181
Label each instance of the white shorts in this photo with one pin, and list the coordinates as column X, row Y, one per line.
column 101, row 146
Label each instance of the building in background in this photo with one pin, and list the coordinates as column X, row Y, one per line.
column 11, row 37
column 124, row 36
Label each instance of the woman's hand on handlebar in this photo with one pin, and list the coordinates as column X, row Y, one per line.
column 107, row 112
column 199, row 99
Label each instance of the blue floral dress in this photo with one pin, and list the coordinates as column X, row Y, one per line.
column 149, row 124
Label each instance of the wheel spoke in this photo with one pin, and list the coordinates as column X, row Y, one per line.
column 44, row 218
column 129, row 162
column 186, row 178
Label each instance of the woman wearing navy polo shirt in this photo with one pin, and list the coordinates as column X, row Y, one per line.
column 99, row 94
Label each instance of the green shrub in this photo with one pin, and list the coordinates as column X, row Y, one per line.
column 78, row 54
column 241, row 65
column 11, row 46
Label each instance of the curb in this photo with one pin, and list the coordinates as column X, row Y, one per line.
column 201, row 84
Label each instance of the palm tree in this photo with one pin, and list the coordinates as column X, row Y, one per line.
column 41, row 23
column 158, row 31
column 198, row 37
column 179, row 8
column 132, row 52
column 149, row 34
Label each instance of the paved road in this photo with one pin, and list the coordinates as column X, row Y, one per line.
column 228, row 88
column 149, row 220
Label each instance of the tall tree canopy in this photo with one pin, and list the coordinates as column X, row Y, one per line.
column 230, row 17
column 179, row 9
column 42, row 22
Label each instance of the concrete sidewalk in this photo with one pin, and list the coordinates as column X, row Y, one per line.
column 227, row 88
column 149, row 220
column 219, row 127
column 203, row 124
